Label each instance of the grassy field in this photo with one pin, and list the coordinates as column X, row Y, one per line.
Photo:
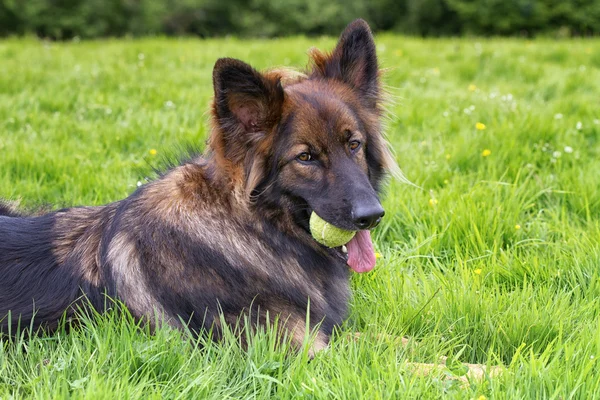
column 493, row 259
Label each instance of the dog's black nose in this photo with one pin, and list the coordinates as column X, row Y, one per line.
column 367, row 216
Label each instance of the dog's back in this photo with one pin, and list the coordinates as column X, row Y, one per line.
column 177, row 250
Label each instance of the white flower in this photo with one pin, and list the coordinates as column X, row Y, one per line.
column 579, row 126
column 558, row 116
column 568, row 149
column 556, row 154
column 169, row 104
column 141, row 56
column 597, row 121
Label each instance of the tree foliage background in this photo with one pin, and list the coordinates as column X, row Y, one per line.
column 64, row 19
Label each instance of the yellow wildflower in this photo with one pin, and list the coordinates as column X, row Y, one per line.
column 377, row 255
column 152, row 152
column 480, row 126
column 517, row 227
column 477, row 271
column 472, row 88
column 486, row 152
column 433, row 202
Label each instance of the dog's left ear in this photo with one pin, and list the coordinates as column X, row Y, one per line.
column 247, row 104
column 353, row 61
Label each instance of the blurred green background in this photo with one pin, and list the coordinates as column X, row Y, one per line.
column 66, row 19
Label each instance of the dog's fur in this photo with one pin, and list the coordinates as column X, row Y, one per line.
column 227, row 230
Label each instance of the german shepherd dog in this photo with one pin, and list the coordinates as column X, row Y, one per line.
column 226, row 231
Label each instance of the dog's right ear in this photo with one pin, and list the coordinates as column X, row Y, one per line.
column 247, row 105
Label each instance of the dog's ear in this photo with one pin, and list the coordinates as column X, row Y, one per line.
column 247, row 104
column 353, row 61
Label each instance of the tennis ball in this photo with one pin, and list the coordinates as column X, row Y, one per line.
column 327, row 234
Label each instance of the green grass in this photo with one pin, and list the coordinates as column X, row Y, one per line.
column 496, row 260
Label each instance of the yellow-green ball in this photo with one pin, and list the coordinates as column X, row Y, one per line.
column 327, row 234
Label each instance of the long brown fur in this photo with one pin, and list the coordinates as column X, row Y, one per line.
column 225, row 233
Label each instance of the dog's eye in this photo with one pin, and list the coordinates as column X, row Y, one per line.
column 304, row 157
column 354, row 145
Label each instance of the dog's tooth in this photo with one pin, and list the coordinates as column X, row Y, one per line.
column 344, row 249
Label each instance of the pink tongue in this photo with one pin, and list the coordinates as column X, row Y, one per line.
column 361, row 254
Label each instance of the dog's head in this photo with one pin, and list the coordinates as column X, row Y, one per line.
column 310, row 143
